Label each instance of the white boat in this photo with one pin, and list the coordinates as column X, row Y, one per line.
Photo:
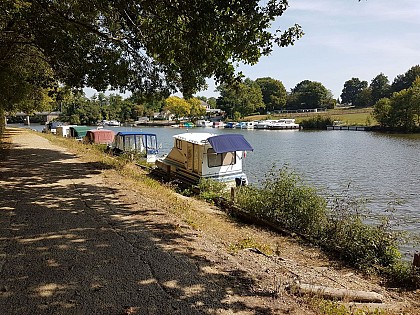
column 245, row 125
column 218, row 124
column 112, row 123
column 263, row 124
column 281, row 124
column 205, row 155
column 136, row 143
column 204, row 123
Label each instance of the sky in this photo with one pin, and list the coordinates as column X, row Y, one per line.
column 343, row 39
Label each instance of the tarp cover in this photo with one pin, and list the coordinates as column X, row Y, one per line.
column 229, row 143
column 101, row 136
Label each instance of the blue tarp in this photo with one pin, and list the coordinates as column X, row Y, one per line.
column 229, row 143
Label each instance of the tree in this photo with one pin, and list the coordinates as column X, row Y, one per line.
column 212, row 102
column 402, row 110
column 177, row 106
column 382, row 112
column 197, row 108
column 144, row 46
column 310, row 94
column 352, row 89
column 364, row 98
column 379, row 87
column 274, row 93
column 404, row 81
column 244, row 98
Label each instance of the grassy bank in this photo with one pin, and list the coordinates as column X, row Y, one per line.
column 284, row 201
column 348, row 116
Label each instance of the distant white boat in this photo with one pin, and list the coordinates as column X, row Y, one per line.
column 263, row 124
column 112, row 123
column 245, row 125
column 283, row 124
column 204, row 123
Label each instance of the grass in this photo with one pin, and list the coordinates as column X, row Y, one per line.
column 352, row 116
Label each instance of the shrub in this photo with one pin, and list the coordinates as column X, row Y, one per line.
column 317, row 122
column 211, row 189
column 285, row 200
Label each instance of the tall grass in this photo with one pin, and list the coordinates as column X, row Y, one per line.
column 339, row 228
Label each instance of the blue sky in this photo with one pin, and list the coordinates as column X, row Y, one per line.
column 343, row 39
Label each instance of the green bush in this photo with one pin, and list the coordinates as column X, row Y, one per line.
column 211, row 189
column 316, row 122
column 341, row 229
column 285, row 200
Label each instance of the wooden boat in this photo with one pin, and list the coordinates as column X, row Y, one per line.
column 204, row 155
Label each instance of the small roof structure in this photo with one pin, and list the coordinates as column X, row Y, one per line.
column 100, row 136
column 220, row 143
column 79, row 131
column 229, row 143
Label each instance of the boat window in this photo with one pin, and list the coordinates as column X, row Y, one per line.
column 139, row 145
column 129, row 144
column 178, row 144
column 219, row 159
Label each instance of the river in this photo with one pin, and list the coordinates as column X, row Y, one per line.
column 382, row 168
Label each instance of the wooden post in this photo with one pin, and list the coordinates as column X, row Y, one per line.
column 232, row 193
column 27, row 121
column 416, row 260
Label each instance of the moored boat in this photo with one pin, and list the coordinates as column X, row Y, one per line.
column 282, row 124
column 99, row 136
column 204, row 155
column 134, row 142
column 204, row 123
column 263, row 124
column 245, row 125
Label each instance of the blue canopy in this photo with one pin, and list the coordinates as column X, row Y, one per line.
column 229, row 143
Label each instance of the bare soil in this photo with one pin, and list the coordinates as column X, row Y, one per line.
column 78, row 238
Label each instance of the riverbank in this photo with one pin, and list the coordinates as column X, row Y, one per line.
column 102, row 240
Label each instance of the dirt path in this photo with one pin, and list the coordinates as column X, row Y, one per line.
column 74, row 240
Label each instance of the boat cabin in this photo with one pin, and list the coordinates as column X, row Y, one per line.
column 134, row 142
column 205, row 155
column 100, row 136
column 78, row 132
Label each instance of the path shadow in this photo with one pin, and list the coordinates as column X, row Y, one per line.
column 70, row 247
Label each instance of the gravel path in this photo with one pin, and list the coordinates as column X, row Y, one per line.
column 66, row 247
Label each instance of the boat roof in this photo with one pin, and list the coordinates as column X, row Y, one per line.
column 220, row 143
column 81, row 128
column 101, row 131
column 229, row 143
column 195, row 137
column 135, row 133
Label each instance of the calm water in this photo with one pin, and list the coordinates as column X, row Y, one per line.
column 381, row 168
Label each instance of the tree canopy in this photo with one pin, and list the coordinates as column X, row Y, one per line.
column 241, row 99
column 310, row 94
column 402, row 110
column 143, row 46
column 352, row 89
column 274, row 93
